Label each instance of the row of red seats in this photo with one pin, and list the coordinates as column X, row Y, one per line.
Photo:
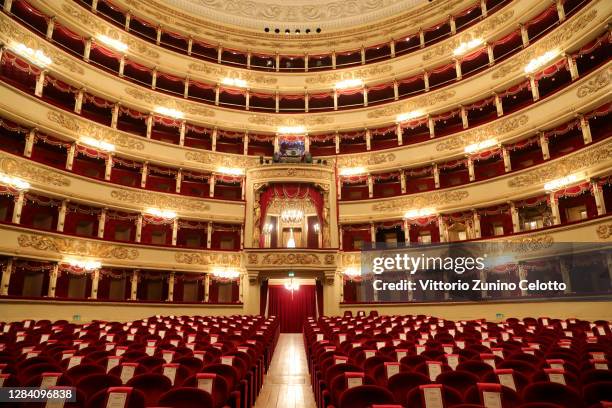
column 185, row 361
column 423, row 361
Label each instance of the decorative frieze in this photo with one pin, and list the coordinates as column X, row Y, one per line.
column 601, row 80
column 72, row 246
column 370, row 159
column 31, row 172
column 223, row 72
column 604, row 231
column 481, row 133
column 420, row 102
column 292, row 120
column 160, row 200
column 362, row 73
column 156, row 99
column 209, row 259
column 421, row 200
column 220, row 159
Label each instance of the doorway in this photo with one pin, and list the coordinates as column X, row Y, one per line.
column 292, row 306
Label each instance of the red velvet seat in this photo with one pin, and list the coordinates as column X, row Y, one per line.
column 134, row 398
column 459, row 380
column 402, row 383
column 186, row 397
column 552, row 392
column 508, row 397
column 596, row 392
column 151, row 385
column 365, row 396
column 217, row 387
column 416, row 397
column 91, row 384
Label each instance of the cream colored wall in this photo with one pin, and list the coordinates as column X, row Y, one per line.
column 587, row 310
column 15, row 310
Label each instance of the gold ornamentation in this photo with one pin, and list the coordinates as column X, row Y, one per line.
column 363, row 73
column 74, row 246
column 604, row 231
column 276, row 120
column 11, row 31
column 298, row 172
column 563, row 167
column 554, row 40
column 32, row 172
column 208, row 258
column 530, row 244
column 421, row 200
column 160, row 200
column 365, row 159
column 329, row 259
column 219, row 72
column 220, row 159
column 421, row 102
column 154, row 98
column 84, row 128
column 601, row 80
column 482, row 30
column 482, row 133
column 290, row 259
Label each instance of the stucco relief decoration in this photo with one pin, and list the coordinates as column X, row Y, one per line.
column 153, row 99
column 95, row 131
column 554, row 40
column 32, row 172
column 366, row 159
column 221, row 72
column 159, row 200
column 275, row 120
column 290, row 259
column 218, row 159
column 362, row 73
column 329, row 259
column 421, row 102
column 563, row 167
column 499, row 129
column 11, row 31
column 420, row 201
column 301, row 173
column 604, row 231
column 601, row 80
column 73, row 246
column 216, row 259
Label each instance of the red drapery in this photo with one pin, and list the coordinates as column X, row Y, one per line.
column 292, row 307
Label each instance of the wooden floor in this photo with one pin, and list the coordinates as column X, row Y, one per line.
column 287, row 384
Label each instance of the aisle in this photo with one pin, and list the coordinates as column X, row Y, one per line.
column 287, row 384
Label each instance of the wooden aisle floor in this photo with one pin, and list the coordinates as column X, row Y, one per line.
column 287, row 383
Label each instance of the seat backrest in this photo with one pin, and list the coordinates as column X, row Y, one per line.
column 417, row 397
column 365, row 396
column 152, row 385
column 507, row 396
column 134, row 398
column 217, row 387
column 90, row 384
column 459, row 380
column 598, row 391
column 552, row 392
column 186, row 397
column 402, row 383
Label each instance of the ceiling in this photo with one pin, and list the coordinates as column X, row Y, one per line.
column 329, row 15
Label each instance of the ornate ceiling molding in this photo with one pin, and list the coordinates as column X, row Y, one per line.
column 160, row 200
column 72, row 246
column 31, row 172
column 563, row 167
column 421, row 201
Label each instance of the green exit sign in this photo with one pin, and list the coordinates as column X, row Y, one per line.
column 499, row 316
column 291, row 274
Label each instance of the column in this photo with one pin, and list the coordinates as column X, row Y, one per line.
column 245, row 143
column 276, row 102
column 403, row 181
column 498, row 105
column 186, row 88
column 158, row 36
column 573, row 69
column 340, row 234
column 95, row 280
column 149, row 122
column 174, row 231
column 392, row 47
column 524, row 35
column 464, row 117
column 276, row 144
column 70, row 156
column 333, row 56
column 426, row 80
column 219, row 54
column 483, row 7
column 399, row 133
column 211, row 189
column 395, row 90
column 339, row 187
column 209, row 231
column 335, row 99
column 182, row 131
column 507, row 161
column 78, row 101
column 586, row 129
column 560, row 10
column 249, row 56
column 436, row 174
column 108, row 168
column 564, row 268
column 18, row 207
column 143, row 174
column 514, row 214
column 61, row 217
column 363, row 59
column 306, row 101
column 373, row 234
column 599, row 198
column 406, row 228
column 490, row 54
column 29, row 144
column 337, row 140
column 128, row 19
column 242, row 188
column 6, row 275
column 241, row 237
column 365, row 96
column 522, row 274
column 453, row 25
column 476, row 221
column 277, row 62
column 171, row 287
column 87, row 50
column 307, row 143
column 554, row 208
column 179, row 181
column 206, row 287
column 217, row 94
column 368, row 139
column 154, row 78
column 421, row 38
column 535, row 92
column 134, row 285
column 214, row 139
column 139, row 228
column 7, row 6
column 306, row 61
column 122, row 66
column 370, row 186
column 53, row 280
column 101, row 223
column 432, row 127
column 442, row 229
column 115, row 116
column 470, row 164
column 40, row 83
column 458, row 69
column 544, row 146
column 248, row 99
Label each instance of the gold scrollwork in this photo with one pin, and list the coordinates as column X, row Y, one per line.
column 366, row 159
column 168, row 102
column 32, row 172
column 290, row 259
column 421, row 200
column 76, row 247
column 159, row 200
column 604, row 231
column 601, row 80
column 214, row 259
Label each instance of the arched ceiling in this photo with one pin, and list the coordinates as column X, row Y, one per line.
column 329, row 15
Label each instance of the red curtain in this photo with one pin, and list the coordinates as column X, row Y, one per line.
column 263, row 297
column 292, row 307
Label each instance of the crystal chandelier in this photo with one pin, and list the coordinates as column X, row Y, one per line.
column 291, row 240
column 292, row 285
column 292, row 216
